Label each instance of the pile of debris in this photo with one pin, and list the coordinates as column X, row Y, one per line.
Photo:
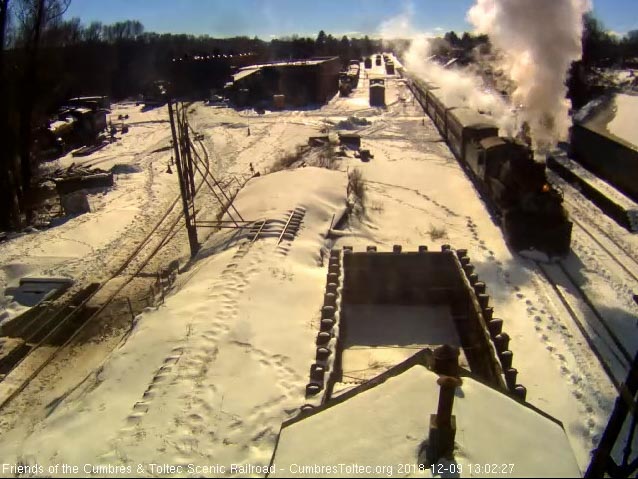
column 89, row 149
column 352, row 123
column 71, row 184
column 340, row 146
column 80, row 177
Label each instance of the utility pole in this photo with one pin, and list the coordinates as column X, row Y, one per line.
column 186, row 149
column 185, row 178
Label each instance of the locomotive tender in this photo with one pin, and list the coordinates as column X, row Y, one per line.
column 504, row 171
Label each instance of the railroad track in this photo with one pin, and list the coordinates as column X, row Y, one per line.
column 575, row 209
column 48, row 355
column 604, row 342
column 628, row 257
column 294, row 220
column 131, row 267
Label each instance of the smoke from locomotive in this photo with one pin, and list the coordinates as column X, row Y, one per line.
column 504, row 171
column 540, row 40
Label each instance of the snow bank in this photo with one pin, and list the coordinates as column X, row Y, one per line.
column 209, row 377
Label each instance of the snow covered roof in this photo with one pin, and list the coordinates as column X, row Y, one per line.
column 385, row 425
column 87, row 98
column 249, row 70
column 55, row 125
column 308, row 62
column 616, row 115
column 78, row 111
column 243, row 73
column 469, row 117
column 452, row 99
column 625, row 119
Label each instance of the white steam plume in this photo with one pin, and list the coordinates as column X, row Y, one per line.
column 458, row 84
column 540, row 40
column 453, row 83
column 398, row 26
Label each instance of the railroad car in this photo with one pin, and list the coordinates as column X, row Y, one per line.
column 465, row 125
column 613, row 158
column 431, row 103
column 504, row 171
column 345, row 86
column 377, row 92
column 349, row 79
column 389, row 67
column 442, row 110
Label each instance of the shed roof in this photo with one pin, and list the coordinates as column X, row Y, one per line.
column 614, row 116
column 386, row 425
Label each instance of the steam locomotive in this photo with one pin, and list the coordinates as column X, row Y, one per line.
column 504, row 171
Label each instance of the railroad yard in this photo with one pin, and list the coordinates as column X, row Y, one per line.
column 198, row 361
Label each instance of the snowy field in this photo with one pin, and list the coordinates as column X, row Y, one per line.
column 208, row 377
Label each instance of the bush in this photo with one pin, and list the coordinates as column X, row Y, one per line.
column 287, row 160
column 437, row 233
column 327, row 157
column 356, row 187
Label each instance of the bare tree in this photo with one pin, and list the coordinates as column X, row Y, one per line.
column 93, row 33
column 35, row 16
column 9, row 208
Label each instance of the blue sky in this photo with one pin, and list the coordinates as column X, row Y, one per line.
column 267, row 18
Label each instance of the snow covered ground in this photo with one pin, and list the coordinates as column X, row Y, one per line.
column 209, row 376
column 80, row 248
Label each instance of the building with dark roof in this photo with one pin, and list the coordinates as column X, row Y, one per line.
column 301, row 82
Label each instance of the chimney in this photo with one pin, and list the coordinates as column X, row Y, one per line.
column 443, row 423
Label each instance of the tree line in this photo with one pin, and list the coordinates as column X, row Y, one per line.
column 601, row 49
column 47, row 58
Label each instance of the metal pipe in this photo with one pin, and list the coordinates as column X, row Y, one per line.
column 446, row 400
